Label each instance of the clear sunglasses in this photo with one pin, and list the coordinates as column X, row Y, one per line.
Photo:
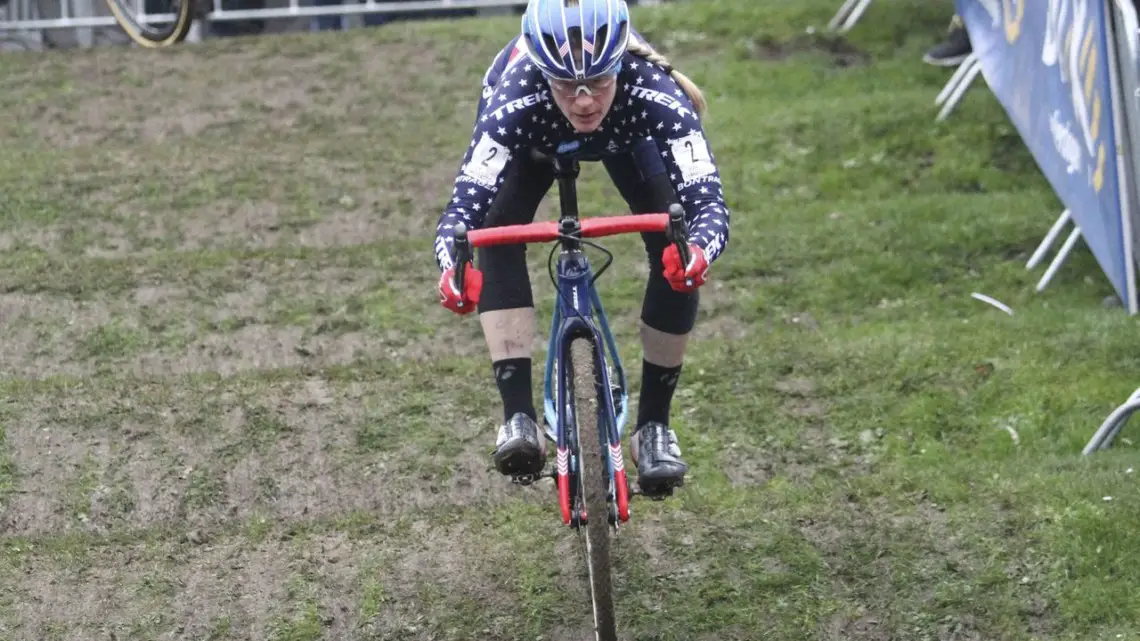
column 591, row 87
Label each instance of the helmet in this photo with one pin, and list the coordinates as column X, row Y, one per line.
column 576, row 39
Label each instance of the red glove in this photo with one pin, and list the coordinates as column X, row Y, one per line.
column 688, row 278
column 450, row 296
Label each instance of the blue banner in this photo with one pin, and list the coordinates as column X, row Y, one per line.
column 1047, row 63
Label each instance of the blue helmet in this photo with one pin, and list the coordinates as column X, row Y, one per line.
column 576, row 39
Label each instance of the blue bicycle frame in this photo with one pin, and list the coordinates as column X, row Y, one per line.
column 578, row 312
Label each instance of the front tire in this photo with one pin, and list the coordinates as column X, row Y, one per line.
column 593, row 485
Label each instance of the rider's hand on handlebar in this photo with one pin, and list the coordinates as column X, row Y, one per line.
column 688, row 278
column 449, row 294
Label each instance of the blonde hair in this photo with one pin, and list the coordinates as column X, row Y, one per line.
column 641, row 48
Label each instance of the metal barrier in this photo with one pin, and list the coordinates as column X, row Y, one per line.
column 27, row 20
column 27, row 14
column 848, row 14
column 22, row 23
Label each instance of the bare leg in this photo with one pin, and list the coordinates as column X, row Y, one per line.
column 509, row 332
column 660, row 348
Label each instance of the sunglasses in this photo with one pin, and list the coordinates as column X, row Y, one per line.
column 591, row 87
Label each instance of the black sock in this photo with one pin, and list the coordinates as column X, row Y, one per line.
column 657, row 386
column 512, row 375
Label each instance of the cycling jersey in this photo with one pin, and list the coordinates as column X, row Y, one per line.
column 517, row 113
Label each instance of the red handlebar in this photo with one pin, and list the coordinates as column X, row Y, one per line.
column 547, row 231
column 673, row 224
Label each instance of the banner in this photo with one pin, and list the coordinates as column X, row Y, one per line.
column 1047, row 62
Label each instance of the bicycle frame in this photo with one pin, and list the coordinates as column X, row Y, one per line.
column 579, row 312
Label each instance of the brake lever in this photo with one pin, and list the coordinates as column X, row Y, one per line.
column 462, row 257
column 679, row 235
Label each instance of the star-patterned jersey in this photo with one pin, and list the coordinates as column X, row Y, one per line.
column 518, row 113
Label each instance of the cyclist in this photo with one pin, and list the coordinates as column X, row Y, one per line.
column 579, row 79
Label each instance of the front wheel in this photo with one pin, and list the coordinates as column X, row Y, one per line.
column 168, row 30
column 593, row 486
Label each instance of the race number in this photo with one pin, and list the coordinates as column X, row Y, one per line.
column 691, row 154
column 487, row 161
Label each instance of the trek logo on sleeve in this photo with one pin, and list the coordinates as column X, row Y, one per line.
column 652, row 95
column 521, row 103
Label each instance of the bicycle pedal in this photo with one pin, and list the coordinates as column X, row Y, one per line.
column 530, row 479
column 658, row 495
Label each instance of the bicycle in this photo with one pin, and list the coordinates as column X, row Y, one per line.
column 583, row 408
column 156, row 30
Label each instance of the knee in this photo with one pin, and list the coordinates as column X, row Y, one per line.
column 506, row 281
column 666, row 309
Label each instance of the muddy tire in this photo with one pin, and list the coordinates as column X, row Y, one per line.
column 594, row 486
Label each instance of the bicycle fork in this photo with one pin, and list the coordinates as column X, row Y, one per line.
column 579, row 313
column 567, row 469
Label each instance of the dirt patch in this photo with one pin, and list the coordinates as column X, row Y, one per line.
column 796, row 387
column 40, row 329
column 17, row 307
column 726, row 327
column 258, row 91
column 283, row 315
column 869, row 547
column 202, row 455
column 752, row 463
column 746, row 467
column 860, row 627
column 234, row 587
column 257, row 347
column 348, row 215
column 120, row 588
column 31, row 238
column 264, row 224
column 718, row 314
column 647, row 537
column 841, row 51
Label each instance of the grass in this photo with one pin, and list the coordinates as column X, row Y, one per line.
column 233, row 409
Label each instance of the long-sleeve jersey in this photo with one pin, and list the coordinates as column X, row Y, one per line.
column 518, row 113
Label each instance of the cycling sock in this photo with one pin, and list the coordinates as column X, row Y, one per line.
column 657, row 386
column 512, row 375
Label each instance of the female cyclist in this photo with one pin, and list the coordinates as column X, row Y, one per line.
column 579, row 79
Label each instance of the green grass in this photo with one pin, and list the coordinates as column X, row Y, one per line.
column 231, row 407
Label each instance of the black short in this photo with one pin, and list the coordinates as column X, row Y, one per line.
column 640, row 177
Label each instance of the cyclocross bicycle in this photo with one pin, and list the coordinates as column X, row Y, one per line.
column 164, row 28
column 585, row 410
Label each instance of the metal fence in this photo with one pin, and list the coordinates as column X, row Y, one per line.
column 38, row 24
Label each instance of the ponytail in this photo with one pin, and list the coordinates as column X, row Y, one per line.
column 641, row 48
